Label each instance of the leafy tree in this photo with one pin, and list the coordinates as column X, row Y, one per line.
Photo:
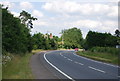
column 26, row 18
column 42, row 41
column 100, row 39
column 72, row 38
column 117, row 33
column 16, row 37
column 38, row 41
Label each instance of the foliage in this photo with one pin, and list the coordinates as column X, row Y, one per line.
column 42, row 42
column 100, row 39
column 27, row 18
column 16, row 36
column 117, row 33
column 110, row 50
column 18, row 68
column 72, row 38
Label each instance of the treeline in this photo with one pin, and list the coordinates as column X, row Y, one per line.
column 73, row 39
column 94, row 39
column 41, row 41
column 16, row 37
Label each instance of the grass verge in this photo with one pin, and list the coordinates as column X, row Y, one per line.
column 37, row 50
column 104, row 57
column 18, row 68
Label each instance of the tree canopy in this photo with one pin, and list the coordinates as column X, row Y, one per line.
column 72, row 38
column 16, row 36
column 100, row 39
column 40, row 41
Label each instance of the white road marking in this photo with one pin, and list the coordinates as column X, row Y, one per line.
column 95, row 61
column 96, row 69
column 80, row 63
column 57, row 68
column 76, row 62
column 65, row 57
column 69, row 59
column 61, row 54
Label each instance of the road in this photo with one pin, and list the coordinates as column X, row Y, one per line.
column 75, row 67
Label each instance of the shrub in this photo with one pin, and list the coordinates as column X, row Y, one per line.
column 110, row 50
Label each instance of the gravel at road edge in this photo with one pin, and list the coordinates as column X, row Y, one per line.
column 38, row 67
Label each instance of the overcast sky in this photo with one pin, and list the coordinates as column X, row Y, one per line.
column 56, row 15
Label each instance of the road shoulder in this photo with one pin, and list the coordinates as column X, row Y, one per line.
column 38, row 67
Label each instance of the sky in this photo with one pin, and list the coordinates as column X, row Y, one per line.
column 56, row 15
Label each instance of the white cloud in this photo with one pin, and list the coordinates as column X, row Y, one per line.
column 110, row 24
column 37, row 13
column 40, row 23
column 86, row 23
column 15, row 14
column 81, row 8
column 26, row 5
column 8, row 4
column 67, row 14
column 113, row 11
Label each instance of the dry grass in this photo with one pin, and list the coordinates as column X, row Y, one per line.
column 18, row 68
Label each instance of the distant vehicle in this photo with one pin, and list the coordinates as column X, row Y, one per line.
column 76, row 49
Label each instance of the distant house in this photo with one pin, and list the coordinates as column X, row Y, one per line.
column 51, row 36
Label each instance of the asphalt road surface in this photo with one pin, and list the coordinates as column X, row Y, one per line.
column 72, row 66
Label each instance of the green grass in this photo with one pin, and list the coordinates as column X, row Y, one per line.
column 110, row 50
column 18, row 68
column 1, row 71
column 104, row 57
column 0, row 67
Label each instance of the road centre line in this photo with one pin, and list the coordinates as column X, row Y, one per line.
column 72, row 60
column 57, row 68
column 69, row 59
column 76, row 62
column 80, row 63
column 96, row 69
column 96, row 61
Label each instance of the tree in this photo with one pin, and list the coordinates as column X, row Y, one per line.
column 38, row 41
column 16, row 37
column 41, row 41
column 100, row 39
column 26, row 18
column 72, row 38
column 117, row 33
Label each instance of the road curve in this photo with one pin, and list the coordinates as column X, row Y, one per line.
column 77, row 67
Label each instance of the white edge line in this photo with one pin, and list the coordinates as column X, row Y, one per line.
column 96, row 69
column 97, row 61
column 57, row 68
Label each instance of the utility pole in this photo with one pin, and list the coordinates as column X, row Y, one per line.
column 62, row 38
column 62, row 41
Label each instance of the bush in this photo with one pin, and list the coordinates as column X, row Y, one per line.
column 111, row 50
